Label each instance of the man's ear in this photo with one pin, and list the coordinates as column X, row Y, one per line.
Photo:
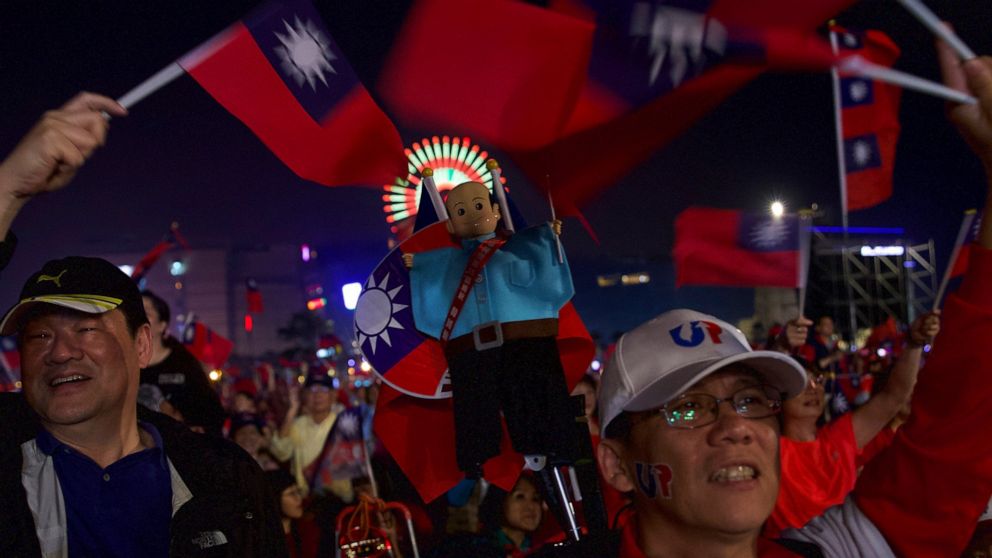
column 143, row 344
column 609, row 454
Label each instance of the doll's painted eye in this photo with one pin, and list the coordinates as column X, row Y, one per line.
column 478, row 206
column 461, row 211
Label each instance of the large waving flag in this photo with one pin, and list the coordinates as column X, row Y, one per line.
column 504, row 70
column 656, row 69
column 733, row 248
column 280, row 72
column 869, row 120
column 970, row 225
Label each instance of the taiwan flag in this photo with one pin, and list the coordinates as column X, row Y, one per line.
column 205, row 344
column 733, row 248
column 253, row 297
column 656, row 69
column 280, row 72
column 172, row 239
column 869, row 120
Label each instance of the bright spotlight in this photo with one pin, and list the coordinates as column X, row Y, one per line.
column 777, row 209
column 350, row 293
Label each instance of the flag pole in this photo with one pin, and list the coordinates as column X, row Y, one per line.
column 428, row 184
column 933, row 23
column 966, row 223
column 859, row 66
column 561, row 257
column 493, row 166
column 161, row 78
column 842, row 179
column 804, row 256
column 838, row 126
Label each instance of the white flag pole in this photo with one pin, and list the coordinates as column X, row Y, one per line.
column 839, row 127
column 933, row 23
column 859, row 66
column 161, row 78
column 966, row 224
column 494, row 170
column 561, row 257
column 427, row 183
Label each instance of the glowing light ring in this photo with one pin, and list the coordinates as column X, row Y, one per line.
column 454, row 160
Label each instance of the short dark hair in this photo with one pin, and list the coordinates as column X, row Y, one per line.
column 160, row 305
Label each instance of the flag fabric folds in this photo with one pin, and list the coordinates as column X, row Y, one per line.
column 869, row 120
column 733, row 248
column 657, row 69
column 503, row 70
column 205, row 344
column 280, row 72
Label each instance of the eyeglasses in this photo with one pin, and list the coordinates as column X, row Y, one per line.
column 693, row 410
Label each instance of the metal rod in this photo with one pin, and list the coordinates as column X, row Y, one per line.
column 937, row 27
column 859, row 66
column 161, row 78
column 493, row 167
column 966, row 224
column 573, row 528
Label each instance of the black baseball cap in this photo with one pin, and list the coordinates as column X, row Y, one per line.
column 90, row 285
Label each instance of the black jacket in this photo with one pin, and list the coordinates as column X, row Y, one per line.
column 229, row 492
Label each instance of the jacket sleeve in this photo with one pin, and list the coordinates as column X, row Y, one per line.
column 927, row 490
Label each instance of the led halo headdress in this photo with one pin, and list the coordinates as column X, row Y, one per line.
column 453, row 161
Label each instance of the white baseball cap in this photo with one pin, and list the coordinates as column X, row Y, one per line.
column 660, row 359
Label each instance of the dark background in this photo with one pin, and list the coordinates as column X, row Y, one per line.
column 180, row 156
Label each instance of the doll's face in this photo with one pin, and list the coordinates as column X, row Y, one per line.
column 470, row 212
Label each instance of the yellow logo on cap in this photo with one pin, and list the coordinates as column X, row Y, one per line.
column 53, row 278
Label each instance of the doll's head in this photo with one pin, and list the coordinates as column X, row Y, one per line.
column 471, row 210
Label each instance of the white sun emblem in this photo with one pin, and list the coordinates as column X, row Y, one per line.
column 862, row 153
column 858, row 90
column 769, row 233
column 348, row 425
column 375, row 311
column 306, row 53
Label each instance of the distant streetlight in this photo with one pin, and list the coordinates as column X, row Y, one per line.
column 777, row 209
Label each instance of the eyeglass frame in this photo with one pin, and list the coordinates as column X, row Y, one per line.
column 776, row 407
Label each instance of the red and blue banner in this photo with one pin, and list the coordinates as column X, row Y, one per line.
column 869, row 119
column 280, row 72
column 205, row 344
column 172, row 239
column 728, row 247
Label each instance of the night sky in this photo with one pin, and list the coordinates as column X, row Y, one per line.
column 180, row 156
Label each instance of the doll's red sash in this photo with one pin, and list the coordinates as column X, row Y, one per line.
column 480, row 256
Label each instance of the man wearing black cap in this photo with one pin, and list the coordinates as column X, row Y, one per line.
column 88, row 474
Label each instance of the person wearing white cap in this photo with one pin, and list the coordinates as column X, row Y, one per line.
column 690, row 425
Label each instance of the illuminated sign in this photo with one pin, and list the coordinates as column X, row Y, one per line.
column 316, row 303
column 871, row 251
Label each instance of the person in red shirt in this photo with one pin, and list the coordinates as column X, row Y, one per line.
column 820, row 466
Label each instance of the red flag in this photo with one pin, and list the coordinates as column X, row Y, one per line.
column 253, row 297
column 208, row 346
column 173, row 239
column 733, row 248
column 869, row 120
column 280, row 72
column 501, row 69
column 657, row 69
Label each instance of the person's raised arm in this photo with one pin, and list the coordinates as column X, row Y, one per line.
column 49, row 155
column 869, row 419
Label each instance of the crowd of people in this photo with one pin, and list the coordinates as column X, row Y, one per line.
column 119, row 445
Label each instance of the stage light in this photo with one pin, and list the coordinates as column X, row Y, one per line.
column 350, row 293
column 365, row 366
column 872, row 251
column 316, row 303
column 177, row 268
column 305, row 252
column 595, row 365
column 215, row 375
column 777, row 208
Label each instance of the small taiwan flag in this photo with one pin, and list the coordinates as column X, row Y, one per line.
column 972, row 222
column 253, row 297
column 280, row 72
column 734, row 248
